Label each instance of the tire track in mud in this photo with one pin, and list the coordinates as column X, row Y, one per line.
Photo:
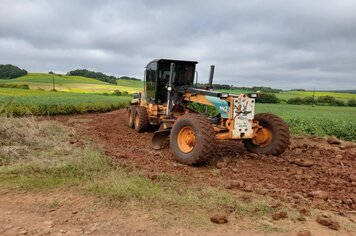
column 311, row 173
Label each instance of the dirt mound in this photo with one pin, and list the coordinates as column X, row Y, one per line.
column 311, row 173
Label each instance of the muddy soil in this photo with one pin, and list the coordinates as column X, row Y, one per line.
column 312, row 173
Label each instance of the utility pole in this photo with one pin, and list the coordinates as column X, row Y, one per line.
column 313, row 97
column 53, row 84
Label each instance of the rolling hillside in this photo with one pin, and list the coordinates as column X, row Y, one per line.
column 65, row 83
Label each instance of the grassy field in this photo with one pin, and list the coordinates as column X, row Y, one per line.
column 35, row 102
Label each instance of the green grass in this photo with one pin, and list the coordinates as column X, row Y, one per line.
column 22, row 102
column 318, row 120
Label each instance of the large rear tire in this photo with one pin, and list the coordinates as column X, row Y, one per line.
column 192, row 139
column 273, row 138
column 131, row 116
column 141, row 119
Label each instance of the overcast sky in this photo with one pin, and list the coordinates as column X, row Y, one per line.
column 283, row 44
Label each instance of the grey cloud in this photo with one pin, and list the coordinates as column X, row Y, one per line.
column 284, row 44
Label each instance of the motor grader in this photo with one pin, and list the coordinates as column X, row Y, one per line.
column 167, row 103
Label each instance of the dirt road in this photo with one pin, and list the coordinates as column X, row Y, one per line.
column 311, row 173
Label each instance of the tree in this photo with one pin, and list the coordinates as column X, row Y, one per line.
column 11, row 72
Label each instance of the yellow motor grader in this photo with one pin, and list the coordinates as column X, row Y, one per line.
column 167, row 100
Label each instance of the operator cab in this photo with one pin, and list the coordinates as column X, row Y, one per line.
column 157, row 78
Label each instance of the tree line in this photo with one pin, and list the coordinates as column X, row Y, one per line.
column 98, row 75
column 321, row 101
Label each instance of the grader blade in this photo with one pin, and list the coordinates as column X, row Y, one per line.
column 159, row 138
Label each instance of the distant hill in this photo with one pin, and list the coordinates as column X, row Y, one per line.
column 80, row 84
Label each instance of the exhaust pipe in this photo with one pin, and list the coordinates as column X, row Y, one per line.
column 211, row 76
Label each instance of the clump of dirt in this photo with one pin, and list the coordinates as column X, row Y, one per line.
column 219, row 219
column 312, row 172
column 279, row 215
column 327, row 221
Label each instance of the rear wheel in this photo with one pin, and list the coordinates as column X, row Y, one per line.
column 131, row 116
column 192, row 139
column 273, row 138
column 141, row 119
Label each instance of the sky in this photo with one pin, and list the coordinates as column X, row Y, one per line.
column 281, row 43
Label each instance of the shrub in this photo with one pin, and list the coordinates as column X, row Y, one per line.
column 338, row 103
column 329, row 100
column 11, row 72
column 352, row 102
column 117, row 93
column 295, row 101
column 18, row 86
column 267, row 98
column 308, row 100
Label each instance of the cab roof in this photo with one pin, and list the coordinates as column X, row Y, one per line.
column 171, row 60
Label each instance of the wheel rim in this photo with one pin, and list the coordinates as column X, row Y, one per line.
column 186, row 139
column 137, row 120
column 263, row 137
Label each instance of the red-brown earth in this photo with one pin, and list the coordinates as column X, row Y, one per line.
column 311, row 173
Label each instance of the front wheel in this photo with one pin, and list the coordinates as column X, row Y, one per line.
column 141, row 119
column 272, row 138
column 192, row 139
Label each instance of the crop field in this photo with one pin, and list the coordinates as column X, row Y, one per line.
column 23, row 102
column 317, row 120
